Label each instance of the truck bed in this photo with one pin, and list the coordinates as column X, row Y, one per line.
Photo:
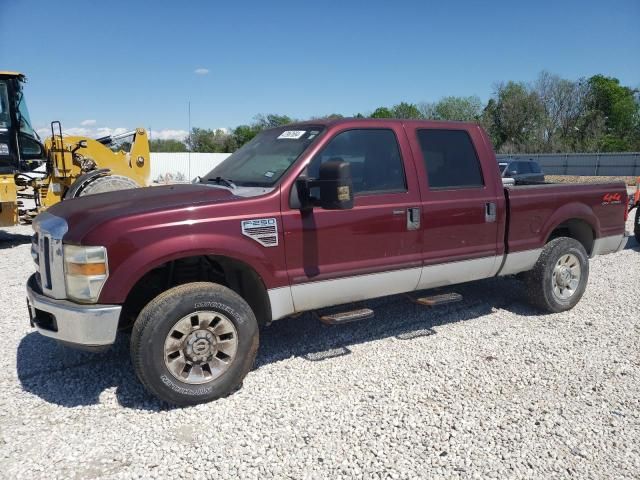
column 535, row 210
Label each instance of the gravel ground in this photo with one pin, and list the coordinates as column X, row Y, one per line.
column 630, row 181
column 485, row 388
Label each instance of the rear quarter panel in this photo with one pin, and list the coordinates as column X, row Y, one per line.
column 536, row 210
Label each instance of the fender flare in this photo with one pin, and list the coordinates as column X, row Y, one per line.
column 574, row 210
column 83, row 180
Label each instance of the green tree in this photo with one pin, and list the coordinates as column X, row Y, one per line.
column 161, row 145
column 514, row 118
column 244, row 133
column 382, row 112
column 331, row 116
column 466, row 109
column 406, row 110
column 619, row 107
column 271, row 120
column 203, row 140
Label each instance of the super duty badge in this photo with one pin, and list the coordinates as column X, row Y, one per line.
column 262, row 230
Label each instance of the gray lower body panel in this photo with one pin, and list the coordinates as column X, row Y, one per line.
column 611, row 244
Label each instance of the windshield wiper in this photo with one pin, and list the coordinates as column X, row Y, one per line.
column 224, row 181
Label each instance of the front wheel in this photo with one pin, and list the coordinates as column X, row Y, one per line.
column 559, row 278
column 194, row 343
column 107, row 183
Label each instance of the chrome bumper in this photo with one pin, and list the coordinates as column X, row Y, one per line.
column 80, row 326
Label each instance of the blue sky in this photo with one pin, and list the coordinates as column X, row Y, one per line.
column 121, row 64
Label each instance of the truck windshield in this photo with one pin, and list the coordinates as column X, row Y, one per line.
column 262, row 161
column 5, row 117
column 23, row 115
column 502, row 167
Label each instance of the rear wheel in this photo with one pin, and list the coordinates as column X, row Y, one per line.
column 559, row 278
column 636, row 224
column 108, row 183
column 194, row 343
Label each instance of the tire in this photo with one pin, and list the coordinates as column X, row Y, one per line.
column 636, row 225
column 108, row 183
column 552, row 285
column 155, row 339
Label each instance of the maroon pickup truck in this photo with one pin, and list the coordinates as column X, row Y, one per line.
column 301, row 218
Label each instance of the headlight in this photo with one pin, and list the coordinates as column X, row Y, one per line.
column 85, row 271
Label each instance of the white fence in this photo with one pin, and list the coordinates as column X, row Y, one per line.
column 183, row 166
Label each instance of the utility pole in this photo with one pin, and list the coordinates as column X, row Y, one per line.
column 190, row 144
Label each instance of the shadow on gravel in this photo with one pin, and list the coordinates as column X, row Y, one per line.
column 632, row 244
column 395, row 316
column 10, row 240
column 72, row 378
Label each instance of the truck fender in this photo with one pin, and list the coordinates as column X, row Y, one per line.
column 137, row 264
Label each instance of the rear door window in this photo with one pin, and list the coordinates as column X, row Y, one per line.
column 450, row 159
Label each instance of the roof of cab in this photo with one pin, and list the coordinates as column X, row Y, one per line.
column 338, row 121
column 9, row 73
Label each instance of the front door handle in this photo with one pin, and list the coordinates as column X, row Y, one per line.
column 413, row 218
column 490, row 212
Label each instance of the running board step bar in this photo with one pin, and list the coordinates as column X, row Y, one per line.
column 346, row 317
column 436, row 300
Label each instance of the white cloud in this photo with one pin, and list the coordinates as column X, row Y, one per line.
column 97, row 132
column 78, row 131
column 88, row 123
column 84, row 131
column 169, row 134
column 201, row 71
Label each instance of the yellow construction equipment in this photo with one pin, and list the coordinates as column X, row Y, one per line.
column 35, row 175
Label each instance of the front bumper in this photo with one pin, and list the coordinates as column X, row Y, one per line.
column 81, row 326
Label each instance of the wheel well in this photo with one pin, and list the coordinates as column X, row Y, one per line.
column 232, row 273
column 578, row 230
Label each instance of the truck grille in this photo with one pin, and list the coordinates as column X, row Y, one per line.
column 46, row 251
column 35, row 255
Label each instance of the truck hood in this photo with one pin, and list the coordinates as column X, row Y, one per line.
column 84, row 213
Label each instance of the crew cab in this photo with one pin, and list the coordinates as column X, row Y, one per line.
column 304, row 217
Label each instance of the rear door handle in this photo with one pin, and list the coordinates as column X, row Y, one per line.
column 490, row 212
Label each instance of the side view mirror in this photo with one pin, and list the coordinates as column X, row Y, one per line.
column 335, row 184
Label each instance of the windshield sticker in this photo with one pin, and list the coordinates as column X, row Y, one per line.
column 269, row 174
column 292, row 134
column 313, row 134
